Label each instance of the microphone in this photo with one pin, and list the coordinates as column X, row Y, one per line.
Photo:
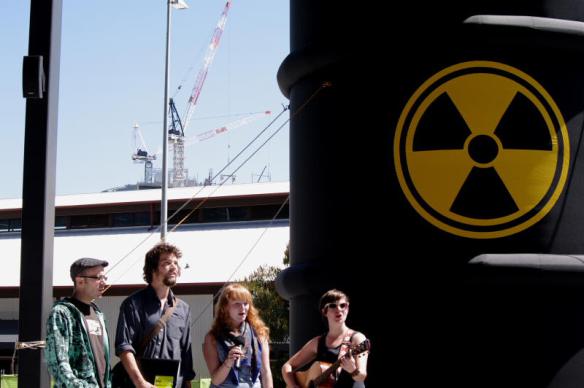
column 239, row 341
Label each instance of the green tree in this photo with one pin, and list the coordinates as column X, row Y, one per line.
column 286, row 259
column 274, row 311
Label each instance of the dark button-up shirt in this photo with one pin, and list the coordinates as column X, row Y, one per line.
column 139, row 313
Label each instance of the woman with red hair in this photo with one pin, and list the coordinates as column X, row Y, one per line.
column 236, row 348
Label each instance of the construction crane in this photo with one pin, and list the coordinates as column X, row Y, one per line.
column 142, row 155
column 176, row 130
column 176, row 137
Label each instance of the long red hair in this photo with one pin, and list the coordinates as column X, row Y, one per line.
column 236, row 291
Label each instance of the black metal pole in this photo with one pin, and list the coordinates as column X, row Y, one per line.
column 38, row 193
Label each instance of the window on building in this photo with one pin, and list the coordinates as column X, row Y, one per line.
column 267, row 212
column 90, row 221
column 241, row 213
column 214, row 214
column 61, row 222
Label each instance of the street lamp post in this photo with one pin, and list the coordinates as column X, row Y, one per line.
column 178, row 4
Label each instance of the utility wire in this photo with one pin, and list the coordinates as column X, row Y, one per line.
column 285, row 108
column 157, row 229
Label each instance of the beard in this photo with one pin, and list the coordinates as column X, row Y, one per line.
column 169, row 281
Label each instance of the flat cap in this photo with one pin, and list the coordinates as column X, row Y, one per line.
column 82, row 264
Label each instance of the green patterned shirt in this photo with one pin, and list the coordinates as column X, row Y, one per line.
column 68, row 352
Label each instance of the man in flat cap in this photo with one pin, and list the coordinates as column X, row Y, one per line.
column 77, row 349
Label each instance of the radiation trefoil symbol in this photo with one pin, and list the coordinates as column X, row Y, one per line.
column 481, row 150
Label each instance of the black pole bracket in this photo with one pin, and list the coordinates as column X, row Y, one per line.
column 33, row 76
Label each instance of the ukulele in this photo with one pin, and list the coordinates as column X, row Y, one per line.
column 319, row 375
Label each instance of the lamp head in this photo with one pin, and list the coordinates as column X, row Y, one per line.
column 179, row 4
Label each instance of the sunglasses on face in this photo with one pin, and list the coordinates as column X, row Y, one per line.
column 341, row 306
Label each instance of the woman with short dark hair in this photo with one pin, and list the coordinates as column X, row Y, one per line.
column 340, row 344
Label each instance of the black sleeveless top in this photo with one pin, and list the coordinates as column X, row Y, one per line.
column 331, row 355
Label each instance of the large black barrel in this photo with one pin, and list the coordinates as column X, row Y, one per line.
column 424, row 134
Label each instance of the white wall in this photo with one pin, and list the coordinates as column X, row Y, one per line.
column 217, row 252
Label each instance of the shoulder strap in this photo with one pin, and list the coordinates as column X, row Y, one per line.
column 156, row 328
column 255, row 347
column 348, row 338
column 347, row 341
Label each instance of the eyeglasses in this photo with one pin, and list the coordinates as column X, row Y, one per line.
column 99, row 278
column 341, row 306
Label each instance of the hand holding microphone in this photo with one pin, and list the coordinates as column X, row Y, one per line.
column 239, row 342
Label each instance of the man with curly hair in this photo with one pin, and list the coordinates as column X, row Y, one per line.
column 141, row 311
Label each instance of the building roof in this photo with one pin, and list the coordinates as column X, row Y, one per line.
column 212, row 252
column 153, row 195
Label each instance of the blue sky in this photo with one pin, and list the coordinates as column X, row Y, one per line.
column 112, row 75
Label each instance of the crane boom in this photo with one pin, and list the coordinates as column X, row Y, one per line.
column 209, row 56
column 227, row 127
